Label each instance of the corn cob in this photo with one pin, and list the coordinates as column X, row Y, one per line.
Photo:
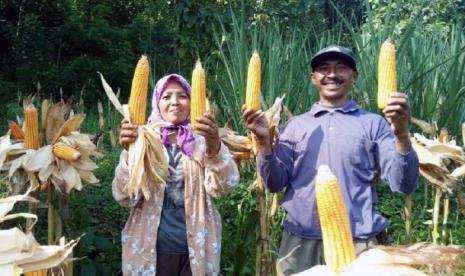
column 42, row 272
column 66, row 152
column 138, row 98
column 338, row 246
column 16, row 131
column 252, row 94
column 198, row 96
column 387, row 80
column 31, row 120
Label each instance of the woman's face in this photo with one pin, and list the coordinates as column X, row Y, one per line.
column 174, row 104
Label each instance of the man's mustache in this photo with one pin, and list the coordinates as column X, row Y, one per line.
column 335, row 79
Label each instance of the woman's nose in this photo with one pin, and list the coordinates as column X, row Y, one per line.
column 174, row 100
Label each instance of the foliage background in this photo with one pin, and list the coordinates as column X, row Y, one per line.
column 54, row 49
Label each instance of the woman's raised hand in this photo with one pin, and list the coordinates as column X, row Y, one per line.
column 207, row 127
column 127, row 133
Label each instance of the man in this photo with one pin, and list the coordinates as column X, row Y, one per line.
column 357, row 145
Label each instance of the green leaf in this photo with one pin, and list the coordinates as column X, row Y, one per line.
column 88, row 269
column 102, row 243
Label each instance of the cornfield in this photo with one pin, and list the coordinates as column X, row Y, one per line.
column 430, row 70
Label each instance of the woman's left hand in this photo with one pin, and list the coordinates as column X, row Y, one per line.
column 207, row 127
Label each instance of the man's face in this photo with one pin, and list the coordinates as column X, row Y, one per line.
column 333, row 78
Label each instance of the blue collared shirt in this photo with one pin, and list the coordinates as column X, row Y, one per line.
column 357, row 145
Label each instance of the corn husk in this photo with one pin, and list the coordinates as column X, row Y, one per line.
column 424, row 126
column 241, row 147
column 417, row 259
column 63, row 174
column 146, row 161
column 20, row 252
column 55, row 119
column 441, row 163
column 7, row 204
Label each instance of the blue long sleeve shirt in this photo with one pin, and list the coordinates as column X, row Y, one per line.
column 357, row 145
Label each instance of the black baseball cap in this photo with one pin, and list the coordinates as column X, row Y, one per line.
column 334, row 51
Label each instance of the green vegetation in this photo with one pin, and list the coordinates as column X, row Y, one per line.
column 62, row 45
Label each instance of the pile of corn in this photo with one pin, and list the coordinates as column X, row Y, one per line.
column 64, row 162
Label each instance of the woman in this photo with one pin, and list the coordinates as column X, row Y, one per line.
column 178, row 230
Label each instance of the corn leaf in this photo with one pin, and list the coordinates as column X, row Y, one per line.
column 111, row 95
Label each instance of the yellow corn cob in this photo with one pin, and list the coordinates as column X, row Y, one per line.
column 16, row 131
column 31, row 120
column 66, row 152
column 254, row 78
column 387, row 79
column 338, row 246
column 42, row 272
column 198, row 94
column 138, row 98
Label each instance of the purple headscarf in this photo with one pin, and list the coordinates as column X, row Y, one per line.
column 185, row 139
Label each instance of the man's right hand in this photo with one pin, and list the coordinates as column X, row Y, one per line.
column 257, row 123
column 127, row 134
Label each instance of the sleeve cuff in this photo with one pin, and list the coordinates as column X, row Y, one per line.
column 407, row 158
column 267, row 157
column 122, row 169
column 408, row 154
column 218, row 158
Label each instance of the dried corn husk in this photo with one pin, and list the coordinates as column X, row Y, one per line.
column 147, row 148
column 437, row 160
column 424, row 126
column 72, row 124
column 241, row 147
column 7, row 204
column 20, row 252
column 417, row 259
column 146, row 160
column 55, row 119
column 63, row 174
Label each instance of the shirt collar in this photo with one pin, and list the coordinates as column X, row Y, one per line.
column 347, row 107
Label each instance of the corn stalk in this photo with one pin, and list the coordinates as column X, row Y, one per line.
column 263, row 262
column 408, row 218
column 445, row 218
column 437, row 201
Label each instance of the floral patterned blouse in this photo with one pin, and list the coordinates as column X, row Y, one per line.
column 205, row 177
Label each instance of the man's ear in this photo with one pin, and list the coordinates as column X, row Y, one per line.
column 354, row 75
column 312, row 77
